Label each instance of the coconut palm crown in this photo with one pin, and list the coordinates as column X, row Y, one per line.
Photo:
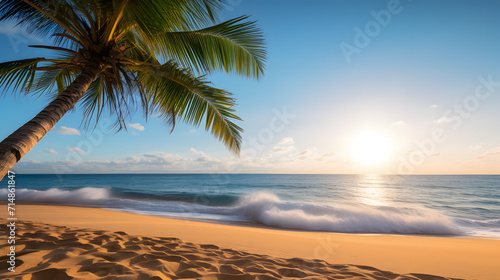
column 117, row 56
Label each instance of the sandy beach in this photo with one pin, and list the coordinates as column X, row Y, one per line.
column 63, row 242
column 252, row 140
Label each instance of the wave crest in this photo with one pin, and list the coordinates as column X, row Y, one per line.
column 79, row 196
column 270, row 210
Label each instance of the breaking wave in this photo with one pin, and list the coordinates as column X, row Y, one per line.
column 267, row 209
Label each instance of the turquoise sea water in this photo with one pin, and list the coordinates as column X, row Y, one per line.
column 417, row 204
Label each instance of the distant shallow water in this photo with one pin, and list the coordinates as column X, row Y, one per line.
column 417, row 204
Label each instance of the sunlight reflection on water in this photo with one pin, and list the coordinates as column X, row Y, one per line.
column 372, row 190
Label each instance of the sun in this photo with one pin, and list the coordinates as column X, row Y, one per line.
column 371, row 147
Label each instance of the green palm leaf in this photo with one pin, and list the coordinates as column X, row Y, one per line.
column 18, row 74
column 152, row 55
column 175, row 92
column 232, row 46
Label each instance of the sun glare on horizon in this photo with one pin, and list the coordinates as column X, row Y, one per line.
column 370, row 148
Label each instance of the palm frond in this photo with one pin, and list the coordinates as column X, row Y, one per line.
column 114, row 93
column 41, row 17
column 53, row 82
column 19, row 74
column 235, row 46
column 53, row 48
column 155, row 16
column 25, row 14
column 173, row 91
column 66, row 40
column 129, row 38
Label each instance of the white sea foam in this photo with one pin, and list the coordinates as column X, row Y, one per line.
column 268, row 209
column 77, row 196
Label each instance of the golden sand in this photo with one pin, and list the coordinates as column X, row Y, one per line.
column 62, row 242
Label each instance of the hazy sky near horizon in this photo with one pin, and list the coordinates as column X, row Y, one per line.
column 413, row 85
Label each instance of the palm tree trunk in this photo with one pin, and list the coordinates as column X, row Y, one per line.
column 14, row 147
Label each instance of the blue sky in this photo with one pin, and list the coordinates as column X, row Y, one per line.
column 410, row 92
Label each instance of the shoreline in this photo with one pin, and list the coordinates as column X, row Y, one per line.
column 259, row 225
column 464, row 257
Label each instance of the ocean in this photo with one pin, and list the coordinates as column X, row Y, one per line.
column 457, row 205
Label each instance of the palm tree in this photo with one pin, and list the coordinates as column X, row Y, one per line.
column 118, row 55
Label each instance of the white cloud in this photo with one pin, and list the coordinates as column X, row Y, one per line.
column 196, row 152
column 434, row 106
column 443, row 119
column 284, row 145
column 476, row 147
column 137, row 126
column 307, row 153
column 491, row 153
column 203, row 158
column 304, row 160
column 67, row 131
column 50, row 151
column 278, row 149
column 326, row 156
column 286, row 140
column 148, row 162
column 76, row 150
column 399, row 123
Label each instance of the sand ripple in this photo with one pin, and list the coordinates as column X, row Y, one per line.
column 49, row 252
